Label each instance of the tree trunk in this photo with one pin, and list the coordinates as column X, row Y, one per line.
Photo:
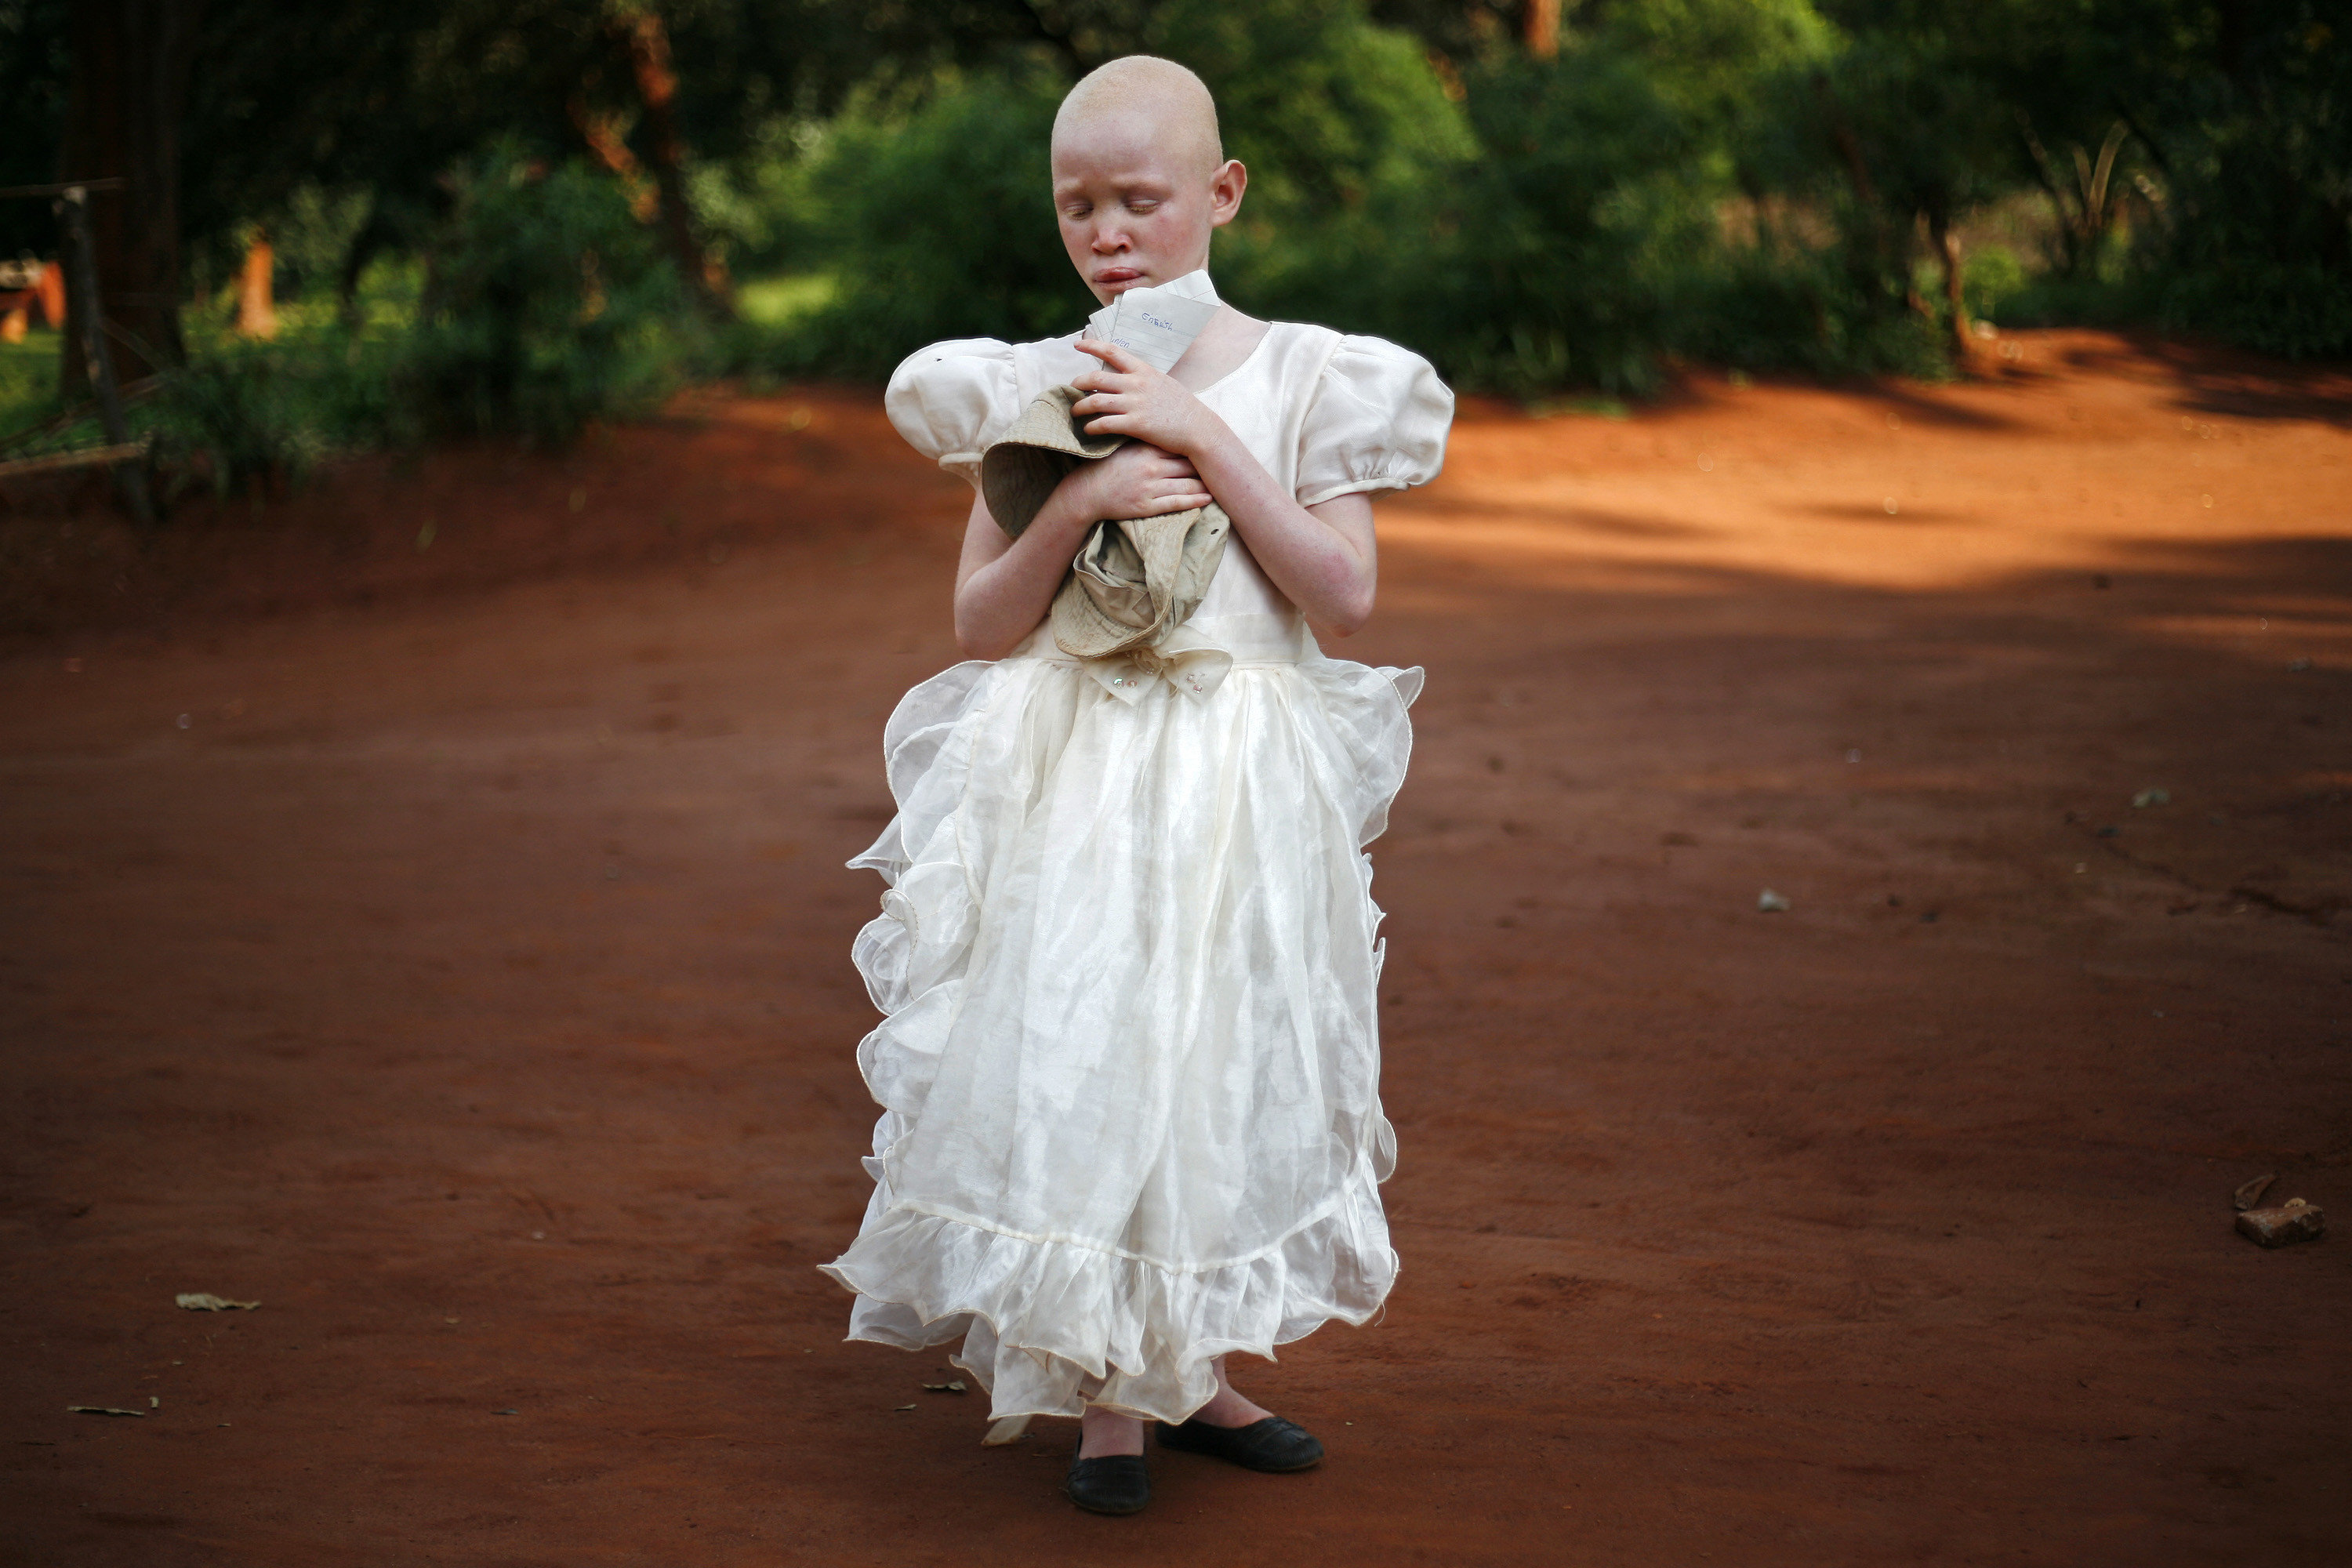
column 602, row 137
column 1890, row 244
column 132, row 60
column 256, row 306
column 50, row 290
column 354, row 267
column 1948, row 251
column 649, row 45
column 2046, row 171
column 1543, row 29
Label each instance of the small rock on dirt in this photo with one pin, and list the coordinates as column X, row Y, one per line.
column 2291, row 1222
column 1772, row 903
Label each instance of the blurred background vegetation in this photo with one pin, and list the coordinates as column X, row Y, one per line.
column 356, row 222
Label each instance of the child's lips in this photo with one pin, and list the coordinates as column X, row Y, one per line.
column 1110, row 274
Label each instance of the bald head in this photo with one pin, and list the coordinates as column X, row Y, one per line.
column 1142, row 98
column 1140, row 182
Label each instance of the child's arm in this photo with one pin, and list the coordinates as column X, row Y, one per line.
column 1323, row 557
column 1005, row 586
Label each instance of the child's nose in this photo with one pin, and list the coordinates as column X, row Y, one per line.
column 1107, row 240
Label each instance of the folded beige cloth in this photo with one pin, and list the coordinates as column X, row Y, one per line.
column 1134, row 580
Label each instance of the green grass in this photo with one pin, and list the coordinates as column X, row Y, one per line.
column 387, row 309
column 29, row 380
column 780, row 302
column 311, row 333
column 1589, row 406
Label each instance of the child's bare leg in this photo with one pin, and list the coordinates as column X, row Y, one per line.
column 1226, row 1407
column 1102, row 1433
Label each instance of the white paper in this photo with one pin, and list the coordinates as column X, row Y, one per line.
column 1153, row 324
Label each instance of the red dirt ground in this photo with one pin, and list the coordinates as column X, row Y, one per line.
column 442, row 939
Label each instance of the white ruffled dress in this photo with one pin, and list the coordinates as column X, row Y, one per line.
column 1129, row 1069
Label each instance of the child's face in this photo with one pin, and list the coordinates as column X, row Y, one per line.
column 1138, row 199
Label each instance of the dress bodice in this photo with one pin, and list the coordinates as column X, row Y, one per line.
column 1327, row 414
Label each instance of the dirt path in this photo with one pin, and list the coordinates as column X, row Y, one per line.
column 465, row 977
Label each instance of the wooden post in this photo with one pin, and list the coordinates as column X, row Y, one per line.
column 648, row 42
column 1543, row 29
column 50, row 288
column 1948, row 251
column 73, row 206
column 257, row 310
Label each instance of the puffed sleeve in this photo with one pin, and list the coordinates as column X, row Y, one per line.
column 951, row 400
column 1376, row 422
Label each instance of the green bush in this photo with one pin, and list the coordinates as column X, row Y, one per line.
column 1339, row 121
column 1780, row 305
column 547, row 305
column 2259, row 243
column 757, row 211
column 2299, row 309
column 239, row 416
column 1987, row 276
column 1556, row 266
column 937, row 217
column 939, row 224
column 1528, row 224
column 1353, row 148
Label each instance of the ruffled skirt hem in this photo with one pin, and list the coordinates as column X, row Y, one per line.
column 1049, row 1327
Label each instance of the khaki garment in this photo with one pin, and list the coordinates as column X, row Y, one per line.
column 1134, row 580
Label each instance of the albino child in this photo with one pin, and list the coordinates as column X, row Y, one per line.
column 1130, row 1068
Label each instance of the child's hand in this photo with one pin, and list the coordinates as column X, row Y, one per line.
column 1137, row 480
column 1127, row 397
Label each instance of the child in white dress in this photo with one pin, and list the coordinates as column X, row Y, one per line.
column 1130, row 1068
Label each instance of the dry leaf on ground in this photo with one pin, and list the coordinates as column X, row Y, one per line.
column 205, row 1301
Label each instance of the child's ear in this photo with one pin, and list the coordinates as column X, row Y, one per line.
column 1225, row 188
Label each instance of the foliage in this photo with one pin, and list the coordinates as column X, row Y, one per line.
column 1785, row 305
column 758, row 210
column 1551, row 267
column 1353, row 142
column 2260, row 249
column 547, row 306
column 240, row 415
column 1527, row 224
column 1993, row 274
column 1327, row 110
column 939, row 223
column 1756, row 182
column 29, row 380
column 32, row 72
column 932, row 199
column 311, row 236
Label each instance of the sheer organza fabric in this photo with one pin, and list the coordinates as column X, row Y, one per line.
column 1127, row 958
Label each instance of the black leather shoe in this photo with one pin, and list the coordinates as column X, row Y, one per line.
column 1272, row 1445
column 1115, row 1483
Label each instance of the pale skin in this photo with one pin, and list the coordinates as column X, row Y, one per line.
column 1133, row 216
column 1139, row 190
